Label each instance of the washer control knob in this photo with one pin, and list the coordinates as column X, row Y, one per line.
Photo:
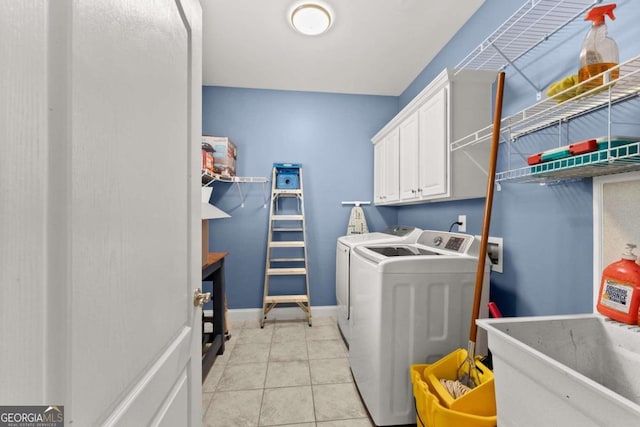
column 437, row 241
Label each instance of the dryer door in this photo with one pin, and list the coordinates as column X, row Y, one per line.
column 342, row 280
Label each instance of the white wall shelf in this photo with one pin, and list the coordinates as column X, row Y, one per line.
column 209, row 178
column 607, row 161
column 549, row 112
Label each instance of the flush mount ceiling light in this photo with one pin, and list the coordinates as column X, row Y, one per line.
column 311, row 19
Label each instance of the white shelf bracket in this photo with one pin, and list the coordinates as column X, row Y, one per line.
column 265, row 198
column 240, row 193
column 357, row 202
column 533, row 85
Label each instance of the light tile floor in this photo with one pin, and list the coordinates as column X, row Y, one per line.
column 287, row 374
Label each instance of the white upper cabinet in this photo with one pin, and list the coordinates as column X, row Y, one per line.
column 451, row 106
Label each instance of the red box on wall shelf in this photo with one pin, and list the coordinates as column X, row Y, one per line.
column 583, row 147
column 534, row 159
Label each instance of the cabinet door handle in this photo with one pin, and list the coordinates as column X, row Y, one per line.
column 413, row 191
column 419, row 190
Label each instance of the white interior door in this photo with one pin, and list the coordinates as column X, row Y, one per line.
column 100, row 244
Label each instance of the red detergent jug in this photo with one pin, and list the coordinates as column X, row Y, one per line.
column 619, row 296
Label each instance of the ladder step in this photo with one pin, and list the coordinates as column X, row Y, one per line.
column 287, row 229
column 286, row 271
column 288, row 244
column 277, row 299
column 287, row 217
column 285, row 192
column 287, row 260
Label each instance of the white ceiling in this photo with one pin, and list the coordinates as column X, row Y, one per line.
column 374, row 47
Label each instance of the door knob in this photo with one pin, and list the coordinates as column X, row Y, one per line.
column 200, row 298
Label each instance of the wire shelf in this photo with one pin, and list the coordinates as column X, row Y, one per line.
column 208, row 178
column 549, row 112
column 625, row 158
column 527, row 28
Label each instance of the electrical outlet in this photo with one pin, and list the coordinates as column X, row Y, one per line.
column 462, row 227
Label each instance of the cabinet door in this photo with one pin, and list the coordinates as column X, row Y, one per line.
column 391, row 167
column 378, row 172
column 433, row 147
column 386, row 182
column 409, row 179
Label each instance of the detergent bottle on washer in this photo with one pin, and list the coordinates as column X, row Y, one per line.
column 619, row 296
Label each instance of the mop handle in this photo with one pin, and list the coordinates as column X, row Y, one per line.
column 493, row 160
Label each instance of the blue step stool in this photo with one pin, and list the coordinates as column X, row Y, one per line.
column 287, row 176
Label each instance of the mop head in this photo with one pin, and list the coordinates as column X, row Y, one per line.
column 467, row 379
column 455, row 388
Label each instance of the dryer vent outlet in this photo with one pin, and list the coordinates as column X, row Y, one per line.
column 495, row 253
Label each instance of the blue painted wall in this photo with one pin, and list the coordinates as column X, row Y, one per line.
column 330, row 134
column 547, row 230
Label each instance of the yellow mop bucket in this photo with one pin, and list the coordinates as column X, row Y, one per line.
column 477, row 408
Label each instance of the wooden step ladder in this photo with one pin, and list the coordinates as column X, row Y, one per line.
column 286, row 243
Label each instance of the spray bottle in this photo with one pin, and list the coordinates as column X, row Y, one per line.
column 619, row 296
column 599, row 52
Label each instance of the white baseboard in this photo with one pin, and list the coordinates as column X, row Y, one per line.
column 281, row 313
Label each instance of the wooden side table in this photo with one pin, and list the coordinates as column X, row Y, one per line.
column 213, row 343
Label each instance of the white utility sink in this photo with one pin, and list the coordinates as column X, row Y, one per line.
column 577, row 370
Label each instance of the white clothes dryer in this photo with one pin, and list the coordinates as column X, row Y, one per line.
column 410, row 303
column 394, row 234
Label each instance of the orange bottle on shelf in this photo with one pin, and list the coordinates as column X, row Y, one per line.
column 599, row 51
column 619, row 296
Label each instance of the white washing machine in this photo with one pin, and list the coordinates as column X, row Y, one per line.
column 394, row 234
column 410, row 303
